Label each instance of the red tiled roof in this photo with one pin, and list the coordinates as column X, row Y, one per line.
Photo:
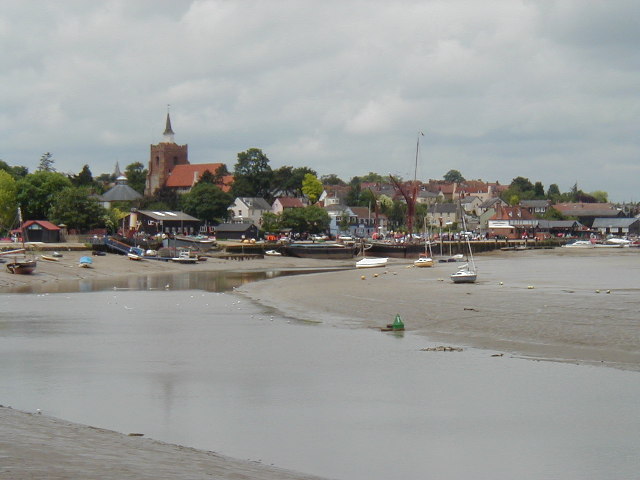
column 512, row 213
column 184, row 176
column 43, row 223
column 290, row 202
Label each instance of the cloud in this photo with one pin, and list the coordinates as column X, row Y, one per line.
column 500, row 88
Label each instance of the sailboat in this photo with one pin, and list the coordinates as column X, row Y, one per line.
column 426, row 258
column 370, row 262
column 467, row 273
column 21, row 264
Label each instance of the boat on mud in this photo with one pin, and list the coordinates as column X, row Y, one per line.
column 336, row 251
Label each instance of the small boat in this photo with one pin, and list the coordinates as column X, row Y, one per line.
column 273, row 253
column 49, row 258
column 580, row 244
column 464, row 275
column 56, row 254
column 135, row 253
column 184, row 257
column 423, row 261
column 22, row 266
column 371, row 262
column 467, row 273
column 85, row 262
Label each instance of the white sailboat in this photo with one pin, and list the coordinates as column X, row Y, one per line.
column 426, row 258
column 467, row 273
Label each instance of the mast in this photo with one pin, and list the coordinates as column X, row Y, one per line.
column 410, row 192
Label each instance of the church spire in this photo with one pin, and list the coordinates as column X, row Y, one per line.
column 168, row 132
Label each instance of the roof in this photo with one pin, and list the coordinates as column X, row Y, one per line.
column 185, row 176
column 362, row 212
column 234, row 227
column 614, row 222
column 587, row 209
column 167, row 215
column 120, row 193
column 289, row 202
column 256, row 202
column 43, row 223
column 469, row 199
column 512, row 213
column 491, row 202
column 443, row 208
column 534, row 203
column 559, row 224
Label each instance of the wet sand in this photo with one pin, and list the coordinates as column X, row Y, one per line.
column 520, row 306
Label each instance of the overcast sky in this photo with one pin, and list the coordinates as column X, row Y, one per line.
column 548, row 90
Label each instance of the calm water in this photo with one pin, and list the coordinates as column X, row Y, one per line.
column 216, row 372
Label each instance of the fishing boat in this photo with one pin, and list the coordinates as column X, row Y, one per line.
column 135, row 253
column 20, row 264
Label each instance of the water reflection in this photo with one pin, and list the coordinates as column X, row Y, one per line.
column 221, row 281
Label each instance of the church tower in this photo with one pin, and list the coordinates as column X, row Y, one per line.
column 163, row 158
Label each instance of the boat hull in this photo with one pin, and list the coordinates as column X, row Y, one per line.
column 466, row 278
column 318, row 250
column 371, row 263
column 22, row 267
column 379, row 249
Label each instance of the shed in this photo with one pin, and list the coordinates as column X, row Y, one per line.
column 236, row 231
column 40, row 231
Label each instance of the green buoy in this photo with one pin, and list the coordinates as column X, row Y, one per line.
column 397, row 323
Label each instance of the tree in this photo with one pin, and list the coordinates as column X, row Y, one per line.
column 312, row 187
column 165, row 198
column 8, row 200
column 538, row 190
column 372, row 177
column 16, row 172
column 453, row 176
column 136, row 176
column 312, row 219
column 331, row 179
column 270, row 222
column 252, row 174
column 206, row 201
column 74, row 207
column 46, row 163
column 553, row 192
column 600, row 196
column 83, row 178
column 37, row 190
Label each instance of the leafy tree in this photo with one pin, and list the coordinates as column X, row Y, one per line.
column 219, row 174
column 8, row 200
column 600, row 196
column 312, row 187
column 453, row 176
column 372, row 177
column 83, row 178
column 16, row 172
column 46, row 163
column 312, row 219
column 76, row 208
column 164, row 199
column 538, row 190
column 397, row 214
column 331, row 179
column 113, row 218
column 270, row 222
column 252, row 174
column 553, row 214
column 553, row 192
column 207, row 177
column 514, row 200
column 206, row 201
column 353, row 197
column 136, row 176
column 521, row 184
column 287, row 181
column 37, row 190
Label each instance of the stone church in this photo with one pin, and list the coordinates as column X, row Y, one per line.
column 169, row 166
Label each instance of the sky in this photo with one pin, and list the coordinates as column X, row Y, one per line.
column 547, row 90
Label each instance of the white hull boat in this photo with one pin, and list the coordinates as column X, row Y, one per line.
column 371, row 262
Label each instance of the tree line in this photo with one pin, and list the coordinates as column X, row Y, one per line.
column 72, row 199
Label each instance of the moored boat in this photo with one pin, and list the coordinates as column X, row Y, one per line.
column 335, row 251
column 371, row 262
